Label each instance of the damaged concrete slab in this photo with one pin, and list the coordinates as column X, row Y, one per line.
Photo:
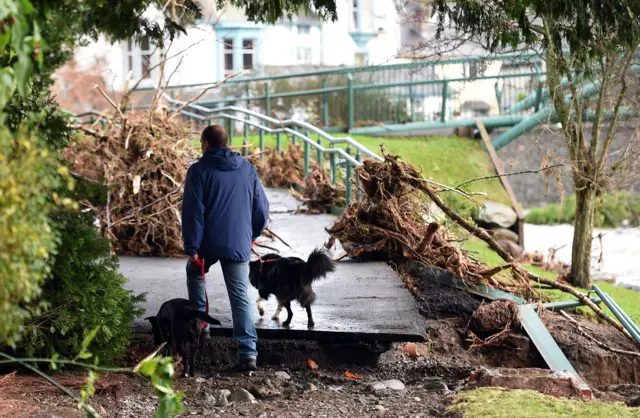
column 359, row 302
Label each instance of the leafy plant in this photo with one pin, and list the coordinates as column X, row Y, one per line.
column 85, row 291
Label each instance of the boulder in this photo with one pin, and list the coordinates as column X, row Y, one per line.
column 496, row 214
column 504, row 234
column 512, row 248
column 550, row 382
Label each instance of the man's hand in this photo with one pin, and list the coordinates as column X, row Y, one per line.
column 193, row 259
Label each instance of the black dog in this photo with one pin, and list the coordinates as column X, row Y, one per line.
column 289, row 278
column 179, row 325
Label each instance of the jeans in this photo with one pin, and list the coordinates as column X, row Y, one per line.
column 236, row 278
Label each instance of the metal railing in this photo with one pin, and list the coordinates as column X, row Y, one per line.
column 423, row 91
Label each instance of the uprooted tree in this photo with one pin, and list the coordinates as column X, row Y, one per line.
column 590, row 52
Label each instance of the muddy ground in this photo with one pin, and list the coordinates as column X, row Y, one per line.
column 427, row 383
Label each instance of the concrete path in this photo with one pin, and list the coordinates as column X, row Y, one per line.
column 359, row 301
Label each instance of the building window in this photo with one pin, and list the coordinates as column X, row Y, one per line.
column 304, row 30
column 248, row 54
column 228, row 56
column 361, row 59
column 139, row 58
column 471, row 69
column 304, row 55
column 355, row 15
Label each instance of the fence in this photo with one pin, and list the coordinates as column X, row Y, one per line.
column 347, row 98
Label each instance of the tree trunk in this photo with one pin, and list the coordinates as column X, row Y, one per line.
column 580, row 274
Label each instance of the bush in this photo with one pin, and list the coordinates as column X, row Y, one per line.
column 611, row 211
column 84, row 292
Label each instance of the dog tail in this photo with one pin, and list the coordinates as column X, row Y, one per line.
column 318, row 265
column 203, row 316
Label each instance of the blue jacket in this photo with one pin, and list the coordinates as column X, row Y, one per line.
column 224, row 207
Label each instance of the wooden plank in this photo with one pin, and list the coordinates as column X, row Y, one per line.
column 542, row 339
column 497, row 164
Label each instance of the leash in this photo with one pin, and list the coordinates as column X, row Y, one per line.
column 260, row 258
column 200, row 263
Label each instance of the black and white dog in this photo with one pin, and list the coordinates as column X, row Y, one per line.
column 289, row 279
column 180, row 326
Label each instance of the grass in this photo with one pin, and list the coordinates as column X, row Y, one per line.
column 627, row 299
column 448, row 160
column 613, row 209
column 500, row 403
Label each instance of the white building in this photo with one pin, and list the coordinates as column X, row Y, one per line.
column 224, row 43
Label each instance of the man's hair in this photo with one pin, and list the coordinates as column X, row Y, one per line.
column 215, row 136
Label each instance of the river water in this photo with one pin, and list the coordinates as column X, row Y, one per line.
column 620, row 250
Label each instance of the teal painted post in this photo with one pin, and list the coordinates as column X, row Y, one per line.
column 325, row 104
column 245, row 130
column 347, row 179
column 267, row 100
column 306, row 158
column 499, row 97
column 350, row 101
column 538, row 97
column 443, row 112
column 334, row 178
column 358, row 191
column 261, row 144
column 411, row 99
column 319, row 154
column 230, row 132
column 278, row 143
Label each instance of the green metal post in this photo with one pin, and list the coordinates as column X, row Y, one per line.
column 358, row 192
column 245, row 130
column 278, row 143
column 230, row 133
column 411, row 99
column 261, row 144
column 499, row 97
column 443, row 112
column 267, row 99
column 325, row 105
column 306, row 158
column 350, row 101
column 334, row 178
column 538, row 97
column 347, row 179
column 319, row 154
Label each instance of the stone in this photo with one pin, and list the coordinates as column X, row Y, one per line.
column 219, row 398
column 309, row 387
column 283, row 375
column 512, row 248
column 550, row 382
column 496, row 214
column 394, row 385
column 376, row 386
column 380, row 408
column 241, row 396
column 504, row 234
column 436, row 386
column 200, row 380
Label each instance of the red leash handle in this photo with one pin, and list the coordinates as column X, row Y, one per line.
column 200, row 263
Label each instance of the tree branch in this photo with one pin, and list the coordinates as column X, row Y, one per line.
column 202, row 93
column 507, row 175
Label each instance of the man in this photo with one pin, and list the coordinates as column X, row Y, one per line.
column 223, row 211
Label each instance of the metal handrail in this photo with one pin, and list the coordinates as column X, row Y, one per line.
column 305, row 138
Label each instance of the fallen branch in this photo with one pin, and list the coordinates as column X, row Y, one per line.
column 89, row 132
column 507, row 175
column 595, row 340
column 202, row 93
column 432, row 229
column 266, row 246
column 111, row 102
column 277, row 236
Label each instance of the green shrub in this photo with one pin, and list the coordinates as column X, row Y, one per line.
column 611, row 211
column 85, row 291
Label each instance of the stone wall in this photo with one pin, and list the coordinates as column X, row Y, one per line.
column 528, row 151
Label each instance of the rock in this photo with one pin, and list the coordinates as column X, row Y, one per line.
column 504, row 234
column 241, row 396
column 387, row 384
column 394, row 385
column 380, row 408
column 265, row 389
column 200, row 380
column 309, row 387
column 283, row 375
column 512, row 248
column 219, row 398
column 436, row 386
column 496, row 214
column 550, row 382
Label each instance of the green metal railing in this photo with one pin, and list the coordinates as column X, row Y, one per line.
column 344, row 99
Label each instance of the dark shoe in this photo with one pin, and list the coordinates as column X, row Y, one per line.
column 206, row 336
column 245, row 365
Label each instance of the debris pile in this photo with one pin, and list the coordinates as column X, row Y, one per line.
column 143, row 160
column 391, row 220
column 280, row 169
column 320, row 194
